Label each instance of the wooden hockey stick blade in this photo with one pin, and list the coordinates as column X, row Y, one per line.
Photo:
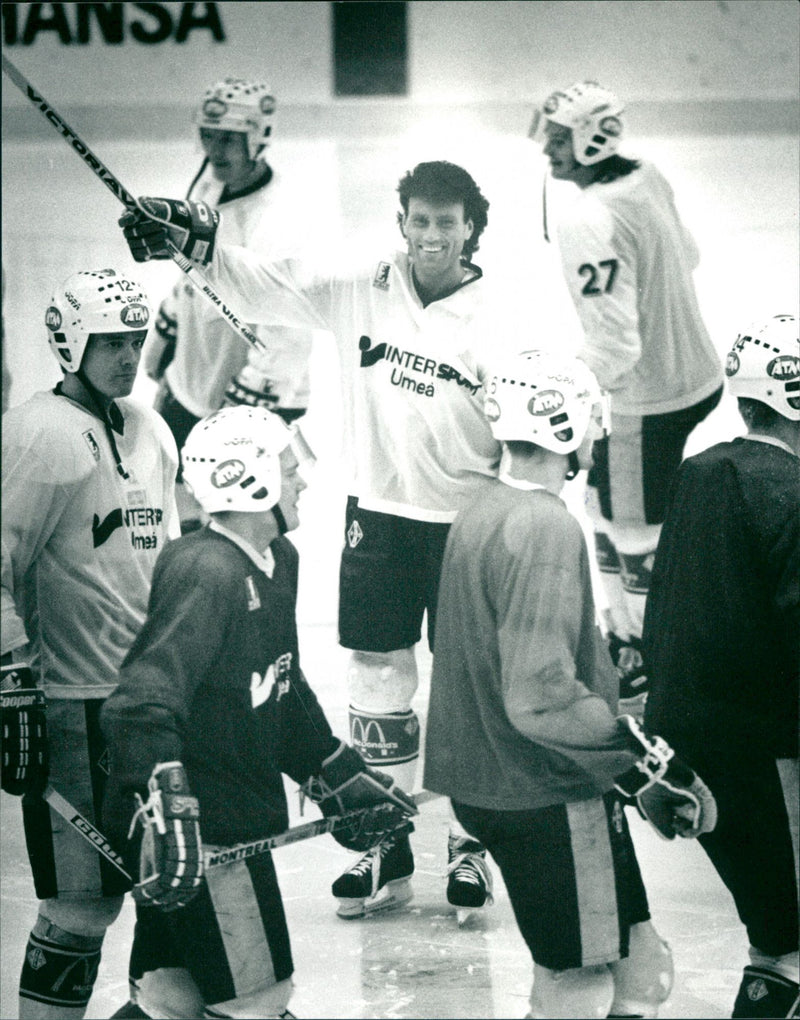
column 85, row 828
column 99, row 169
column 229, row 855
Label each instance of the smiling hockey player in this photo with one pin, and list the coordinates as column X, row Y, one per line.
column 414, row 332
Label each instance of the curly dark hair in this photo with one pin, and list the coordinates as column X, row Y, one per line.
column 445, row 183
column 613, row 167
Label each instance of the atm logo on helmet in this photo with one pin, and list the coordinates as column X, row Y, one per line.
column 784, row 367
column 135, row 315
column 731, row 363
column 52, row 318
column 545, row 402
column 227, row 473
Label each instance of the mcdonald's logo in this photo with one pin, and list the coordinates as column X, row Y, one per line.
column 360, row 737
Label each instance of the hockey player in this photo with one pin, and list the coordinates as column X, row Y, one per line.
column 628, row 259
column 212, row 705
column 523, row 685
column 722, row 643
column 413, row 334
column 88, row 504
column 200, row 361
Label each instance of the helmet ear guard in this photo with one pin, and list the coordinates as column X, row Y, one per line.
column 92, row 302
column 546, row 399
column 764, row 365
column 592, row 113
column 239, row 105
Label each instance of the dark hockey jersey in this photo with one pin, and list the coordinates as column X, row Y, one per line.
column 214, row 681
column 722, row 624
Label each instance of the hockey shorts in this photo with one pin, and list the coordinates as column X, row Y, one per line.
column 571, row 874
column 180, row 421
column 232, row 938
column 389, row 577
column 633, row 468
column 63, row 863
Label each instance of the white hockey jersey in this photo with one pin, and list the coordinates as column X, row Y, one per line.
column 628, row 262
column 412, row 378
column 79, row 540
column 208, row 352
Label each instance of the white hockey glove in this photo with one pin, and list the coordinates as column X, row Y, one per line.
column 23, row 710
column 344, row 784
column 191, row 226
column 171, row 855
column 669, row 794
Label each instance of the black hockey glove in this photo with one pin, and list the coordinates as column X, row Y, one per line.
column 23, row 709
column 190, row 226
column 171, row 855
column 669, row 794
column 344, row 784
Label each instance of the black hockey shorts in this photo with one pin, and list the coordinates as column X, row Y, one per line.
column 571, row 874
column 633, row 468
column 232, row 938
column 389, row 577
column 63, row 863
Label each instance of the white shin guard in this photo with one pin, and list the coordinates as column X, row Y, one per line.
column 643, row 980
column 583, row 992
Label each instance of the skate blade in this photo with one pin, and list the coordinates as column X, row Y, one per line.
column 392, row 895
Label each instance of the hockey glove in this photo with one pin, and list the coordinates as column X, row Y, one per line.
column 669, row 794
column 160, row 349
column 344, row 784
column 23, row 707
column 171, row 855
column 190, row 226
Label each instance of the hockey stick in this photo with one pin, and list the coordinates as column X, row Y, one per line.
column 214, row 858
column 114, row 185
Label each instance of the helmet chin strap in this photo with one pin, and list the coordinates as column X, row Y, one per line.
column 277, row 513
column 574, row 465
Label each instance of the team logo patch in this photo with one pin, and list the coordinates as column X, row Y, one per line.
column 214, row 109
column 381, row 278
column 52, row 318
column 227, row 473
column 354, row 534
column 253, row 601
column 732, row 363
column 135, row 315
column 91, row 442
column 757, row 990
column 36, row 959
column 545, row 402
column 786, row 366
column 267, row 105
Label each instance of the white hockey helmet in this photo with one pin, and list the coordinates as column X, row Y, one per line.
column 236, row 104
column 764, row 365
column 231, row 459
column 91, row 302
column 544, row 398
column 592, row 113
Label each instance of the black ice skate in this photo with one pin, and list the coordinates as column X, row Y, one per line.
column 763, row 993
column 378, row 881
column 469, row 883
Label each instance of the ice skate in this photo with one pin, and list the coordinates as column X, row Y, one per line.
column 377, row 881
column 469, row 883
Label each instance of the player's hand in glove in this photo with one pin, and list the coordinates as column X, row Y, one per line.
column 171, row 855
column 345, row 783
column 190, row 226
column 23, row 707
column 668, row 793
